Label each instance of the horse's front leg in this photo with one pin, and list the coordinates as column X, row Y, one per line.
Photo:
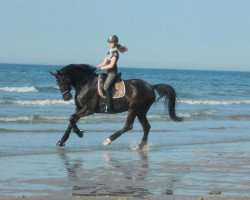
column 65, row 136
column 73, row 120
column 72, row 125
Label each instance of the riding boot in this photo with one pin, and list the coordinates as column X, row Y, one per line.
column 109, row 103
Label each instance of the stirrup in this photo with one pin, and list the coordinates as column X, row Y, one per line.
column 111, row 109
column 106, row 109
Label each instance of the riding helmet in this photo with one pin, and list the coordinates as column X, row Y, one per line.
column 113, row 38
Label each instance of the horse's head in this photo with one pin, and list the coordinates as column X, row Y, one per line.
column 64, row 83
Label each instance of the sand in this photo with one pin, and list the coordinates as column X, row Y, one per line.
column 205, row 197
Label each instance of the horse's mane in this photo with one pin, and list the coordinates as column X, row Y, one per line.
column 79, row 69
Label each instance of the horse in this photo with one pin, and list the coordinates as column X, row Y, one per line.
column 137, row 100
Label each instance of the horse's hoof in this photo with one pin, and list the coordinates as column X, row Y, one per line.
column 142, row 145
column 60, row 143
column 80, row 133
column 107, row 141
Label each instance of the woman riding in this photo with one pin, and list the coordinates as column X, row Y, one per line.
column 110, row 63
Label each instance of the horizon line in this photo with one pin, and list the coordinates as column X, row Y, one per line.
column 139, row 67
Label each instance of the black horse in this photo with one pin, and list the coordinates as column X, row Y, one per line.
column 139, row 97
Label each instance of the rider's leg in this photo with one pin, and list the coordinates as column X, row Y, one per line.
column 108, row 91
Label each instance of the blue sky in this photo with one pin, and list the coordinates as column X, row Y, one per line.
column 186, row 34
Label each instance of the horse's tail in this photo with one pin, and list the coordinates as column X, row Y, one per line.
column 169, row 95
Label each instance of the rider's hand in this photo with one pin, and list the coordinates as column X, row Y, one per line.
column 98, row 68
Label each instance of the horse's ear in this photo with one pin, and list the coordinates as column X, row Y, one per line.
column 59, row 72
column 53, row 74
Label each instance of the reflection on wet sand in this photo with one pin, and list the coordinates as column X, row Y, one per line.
column 133, row 174
column 119, row 177
column 73, row 167
column 159, row 173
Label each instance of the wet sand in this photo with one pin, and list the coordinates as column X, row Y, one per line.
column 176, row 197
column 189, row 170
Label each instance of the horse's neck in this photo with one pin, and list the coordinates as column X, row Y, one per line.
column 88, row 82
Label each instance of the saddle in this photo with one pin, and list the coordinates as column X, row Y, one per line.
column 118, row 86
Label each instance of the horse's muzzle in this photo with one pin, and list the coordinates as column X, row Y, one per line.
column 67, row 97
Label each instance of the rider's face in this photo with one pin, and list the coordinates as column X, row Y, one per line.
column 111, row 45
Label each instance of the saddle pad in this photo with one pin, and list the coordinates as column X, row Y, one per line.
column 118, row 91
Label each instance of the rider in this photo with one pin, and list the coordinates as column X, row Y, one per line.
column 110, row 63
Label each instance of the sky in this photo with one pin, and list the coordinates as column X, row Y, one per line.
column 172, row 34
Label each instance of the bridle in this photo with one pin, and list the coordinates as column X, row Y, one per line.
column 65, row 92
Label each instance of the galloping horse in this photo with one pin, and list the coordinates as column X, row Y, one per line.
column 139, row 97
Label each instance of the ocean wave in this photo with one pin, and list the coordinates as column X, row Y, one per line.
column 4, row 130
column 19, row 89
column 35, row 119
column 15, row 119
column 29, row 89
column 48, row 89
column 121, row 118
column 45, row 102
column 48, row 102
column 63, row 119
column 93, row 119
column 214, row 102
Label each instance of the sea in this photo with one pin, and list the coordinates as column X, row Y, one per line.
column 215, row 106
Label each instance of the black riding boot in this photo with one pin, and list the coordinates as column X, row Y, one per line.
column 109, row 103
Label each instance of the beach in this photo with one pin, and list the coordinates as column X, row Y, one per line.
column 205, row 197
column 207, row 156
column 190, row 169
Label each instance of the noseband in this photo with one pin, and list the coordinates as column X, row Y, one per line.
column 66, row 91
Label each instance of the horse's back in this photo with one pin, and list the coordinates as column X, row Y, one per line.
column 138, row 87
column 138, row 83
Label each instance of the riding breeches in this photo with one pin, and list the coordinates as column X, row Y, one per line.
column 109, row 81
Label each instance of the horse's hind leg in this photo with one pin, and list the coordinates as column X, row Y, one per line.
column 128, row 126
column 146, row 127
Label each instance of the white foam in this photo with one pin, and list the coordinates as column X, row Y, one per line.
column 44, row 102
column 33, row 118
column 146, row 148
column 185, row 115
column 15, row 119
column 54, row 117
column 19, row 89
column 214, row 102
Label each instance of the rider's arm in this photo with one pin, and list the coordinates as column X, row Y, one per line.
column 103, row 63
column 111, row 64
